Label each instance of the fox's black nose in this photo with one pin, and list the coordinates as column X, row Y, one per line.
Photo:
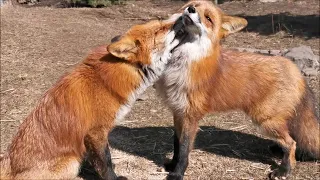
column 191, row 9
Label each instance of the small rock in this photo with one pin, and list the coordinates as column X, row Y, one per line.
column 161, row 169
column 265, row 52
column 309, row 72
column 303, row 56
column 249, row 50
column 22, row 1
column 275, row 52
column 305, row 59
column 301, row 52
column 268, row 1
column 142, row 97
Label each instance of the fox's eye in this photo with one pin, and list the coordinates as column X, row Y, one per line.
column 209, row 19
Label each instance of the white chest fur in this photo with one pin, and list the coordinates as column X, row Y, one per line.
column 173, row 84
column 152, row 73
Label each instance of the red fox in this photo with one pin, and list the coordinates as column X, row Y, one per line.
column 74, row 117
column 204, row 78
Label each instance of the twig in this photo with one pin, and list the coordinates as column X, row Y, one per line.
column 125, row 122
column 215, row 145
column 257, row 167
column 137, row 18
column 8, row 90
column 289, row 31
column 72, row 64
column 7, row 120
column 159, row 173
column 239, row 127
column 272, row 24
column 138, row 137
column 236, row 153
column 230, row 170
column 227, row 122
column 154, row 147
column 118, row 157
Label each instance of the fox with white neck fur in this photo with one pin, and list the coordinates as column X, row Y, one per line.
column 73, row 119
column 205, row 78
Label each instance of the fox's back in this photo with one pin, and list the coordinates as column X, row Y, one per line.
column 244, row 79
column 88, row 96
column 256, row 78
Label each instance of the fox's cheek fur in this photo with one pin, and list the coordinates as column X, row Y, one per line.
column 151, row 72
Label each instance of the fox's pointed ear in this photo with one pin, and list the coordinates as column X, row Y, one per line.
column 231, row 24
column 124, row 48
column 116, row 38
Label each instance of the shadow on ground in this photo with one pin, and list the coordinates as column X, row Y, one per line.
column 154, row 143
column 306, row 26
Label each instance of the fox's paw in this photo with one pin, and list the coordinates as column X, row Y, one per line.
column 122, row 178
column 174, row 176
column 279, row 174
column 170, row 166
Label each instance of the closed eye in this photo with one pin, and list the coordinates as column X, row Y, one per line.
column 209, row 19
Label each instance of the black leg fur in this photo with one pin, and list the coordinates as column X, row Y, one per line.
column 182, row 160
column 170, row 166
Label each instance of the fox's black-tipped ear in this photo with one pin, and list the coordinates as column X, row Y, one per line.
column 124, row 48
column 115, row 39
column 231, row 24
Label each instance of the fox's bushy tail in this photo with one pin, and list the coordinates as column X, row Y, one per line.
column 305, row 128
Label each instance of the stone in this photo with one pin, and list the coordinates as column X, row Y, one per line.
column 305, row 59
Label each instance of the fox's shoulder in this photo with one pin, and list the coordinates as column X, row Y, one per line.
column 98, row 52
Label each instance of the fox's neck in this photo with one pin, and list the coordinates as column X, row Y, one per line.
column 185, row 67
column 185, row 75
column 206, row 68
column 147, row 75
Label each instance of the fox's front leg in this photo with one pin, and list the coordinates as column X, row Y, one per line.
column 170, row 166
column 99, row 153
column 185, row 133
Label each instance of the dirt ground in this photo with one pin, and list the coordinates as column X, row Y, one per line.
column 39, row 44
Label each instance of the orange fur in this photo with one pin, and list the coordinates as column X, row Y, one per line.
column 75, row 116
column 270, row 89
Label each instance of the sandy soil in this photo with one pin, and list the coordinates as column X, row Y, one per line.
column 39, row 44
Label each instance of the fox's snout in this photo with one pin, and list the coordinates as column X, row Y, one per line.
column 191, row 16
column 187, row 21
column 191, row 20
column 191, row 9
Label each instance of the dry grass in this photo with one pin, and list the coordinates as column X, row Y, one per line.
column 40, row 44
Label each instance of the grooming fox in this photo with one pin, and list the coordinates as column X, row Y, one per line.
column 205, row 78
column 74, row 117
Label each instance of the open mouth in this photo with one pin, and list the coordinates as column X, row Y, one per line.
column 183, row 26
column 190, row 26
column 185, row 29
column 187, row 21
